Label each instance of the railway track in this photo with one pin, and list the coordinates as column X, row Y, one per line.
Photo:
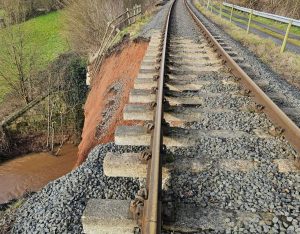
column 212, row 159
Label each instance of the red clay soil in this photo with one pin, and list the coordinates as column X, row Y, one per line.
column 120, row 67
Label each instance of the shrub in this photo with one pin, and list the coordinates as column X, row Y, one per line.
column 86, row 21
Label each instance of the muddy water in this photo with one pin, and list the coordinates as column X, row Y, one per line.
column 32, row 172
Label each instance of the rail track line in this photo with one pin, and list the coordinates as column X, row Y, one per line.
column 207, row 140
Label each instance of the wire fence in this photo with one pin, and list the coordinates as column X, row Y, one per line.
column 233, row 13
column 266, row 15
column 112, row 32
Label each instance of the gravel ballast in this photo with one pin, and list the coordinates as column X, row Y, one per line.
column 258, row 200
column 270, row 198
column 259, row 70
column 157, row 22
column 58, row 207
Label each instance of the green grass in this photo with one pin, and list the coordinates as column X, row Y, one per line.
column 1, row 13
column 43, row 36
column 282, row 26
column 135, row 28
column 4, row 89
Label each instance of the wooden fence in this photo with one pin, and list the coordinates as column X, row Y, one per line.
column 112, row 31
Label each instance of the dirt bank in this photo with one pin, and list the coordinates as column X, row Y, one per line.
column 110, row 92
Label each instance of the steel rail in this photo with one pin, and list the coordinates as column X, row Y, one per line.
column 290, row 130
column 151, row 222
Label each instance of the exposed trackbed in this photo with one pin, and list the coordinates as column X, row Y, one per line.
column 225, row 167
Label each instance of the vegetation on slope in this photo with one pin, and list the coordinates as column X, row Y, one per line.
column 44, row 33
column 42, row 40
column 57, row 119
column 134, row 29
column 84, row 30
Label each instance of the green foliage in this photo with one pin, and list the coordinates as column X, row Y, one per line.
column 4, row 89
column 68, row 74
column 62, row 110
column 43, row 39
column 44, row 33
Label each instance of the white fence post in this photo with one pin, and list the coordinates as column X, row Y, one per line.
column 231, row 13
column 128, row 16
column 249, row 22
column 134, row 12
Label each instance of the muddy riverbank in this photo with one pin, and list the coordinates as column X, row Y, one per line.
column 31, row 172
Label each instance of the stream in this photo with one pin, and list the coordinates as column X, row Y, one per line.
column 33, row 171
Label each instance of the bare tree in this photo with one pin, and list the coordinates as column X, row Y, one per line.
column 86, row 21
column 17, row 58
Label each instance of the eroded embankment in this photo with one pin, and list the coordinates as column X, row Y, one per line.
column 109, row 94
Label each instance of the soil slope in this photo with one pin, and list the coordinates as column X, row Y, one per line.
column 108, row 96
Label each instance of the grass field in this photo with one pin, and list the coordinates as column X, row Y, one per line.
column 43, row 35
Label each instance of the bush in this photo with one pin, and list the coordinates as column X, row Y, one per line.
column 86, row 21
column 59, row 116
column 68, row 75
